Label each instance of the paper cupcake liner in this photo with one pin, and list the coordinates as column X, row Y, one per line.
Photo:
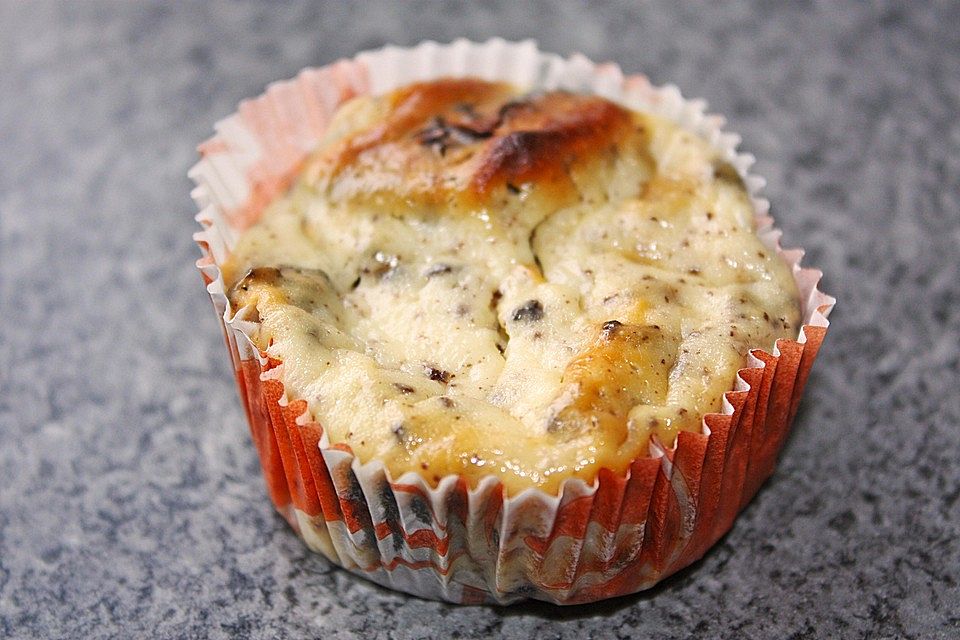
column 618, row 535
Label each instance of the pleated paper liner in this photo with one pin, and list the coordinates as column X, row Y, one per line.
column 621, row 534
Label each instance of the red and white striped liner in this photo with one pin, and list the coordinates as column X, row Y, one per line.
column 621, row 534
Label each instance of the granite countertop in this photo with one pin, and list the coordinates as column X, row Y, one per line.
column 131, row 502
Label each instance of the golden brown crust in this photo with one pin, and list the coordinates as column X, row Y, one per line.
column 461, row 141
column 624, row 367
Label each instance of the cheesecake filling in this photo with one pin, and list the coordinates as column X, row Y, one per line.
column 470, row 279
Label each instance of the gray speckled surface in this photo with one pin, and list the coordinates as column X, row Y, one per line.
column 131, row 503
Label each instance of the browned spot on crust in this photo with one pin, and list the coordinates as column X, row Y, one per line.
column 410, row 107
column 254, row 283
column 626, row 365
column 542, row 138
column 460, row 141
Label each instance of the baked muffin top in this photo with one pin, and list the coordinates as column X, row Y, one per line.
column 470, row 279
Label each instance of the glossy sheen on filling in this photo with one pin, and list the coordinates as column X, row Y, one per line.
column 467, row 279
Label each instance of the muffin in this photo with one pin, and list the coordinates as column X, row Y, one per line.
column 494, row 332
